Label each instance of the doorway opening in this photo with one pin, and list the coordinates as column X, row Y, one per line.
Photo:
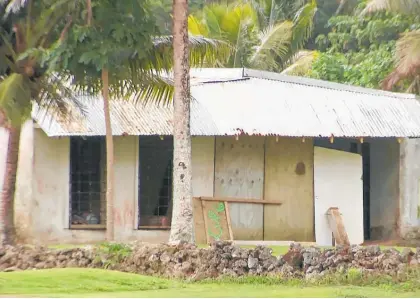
column 155, row 182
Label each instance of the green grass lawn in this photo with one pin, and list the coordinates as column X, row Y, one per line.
column 104, row 283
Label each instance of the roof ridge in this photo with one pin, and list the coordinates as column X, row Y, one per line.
column 250, row 73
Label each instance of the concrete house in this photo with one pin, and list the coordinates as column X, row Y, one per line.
column 306, row 143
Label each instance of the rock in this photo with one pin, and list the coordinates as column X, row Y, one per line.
column 294, row 257
column 373, row 250
column 220, row 259
column 252, row 262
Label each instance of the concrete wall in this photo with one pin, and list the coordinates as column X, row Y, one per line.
column 409, row 188
column 384, row 188
column 42, row 200
column 45, row 203
column 24, row 175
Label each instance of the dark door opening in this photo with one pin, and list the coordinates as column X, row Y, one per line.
column 366, row 190
column 155, row 182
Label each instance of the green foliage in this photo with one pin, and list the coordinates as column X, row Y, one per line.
column 360, row 50
column 259, row 38
column 365, row 68
column 25, row 77
column 112, row 253
column 118, row 27
column 349, row 33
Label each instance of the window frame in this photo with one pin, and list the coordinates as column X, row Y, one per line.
column 102, row 182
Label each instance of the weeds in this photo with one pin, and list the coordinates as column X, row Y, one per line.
column 112, row 253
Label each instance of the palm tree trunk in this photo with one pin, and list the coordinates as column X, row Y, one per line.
column 182, row 218
column 109, row 160
column 7, row 213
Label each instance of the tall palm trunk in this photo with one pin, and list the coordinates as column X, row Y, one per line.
column 109, row 160
column 7, row 214
column 182, row 218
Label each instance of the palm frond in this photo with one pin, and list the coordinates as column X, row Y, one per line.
column 196, row 27
column 56, row 96
column 12, row 6
column 154, row 89
column 273, row 47
column 303, row 24
column 203, row 52
column 15, row 98
column 414, row 86
column 407, row 59
column 243, row 43
column 301, row 63
column 397, row 6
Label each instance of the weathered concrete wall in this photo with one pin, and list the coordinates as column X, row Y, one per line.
column 384, row 187
column 125, row 193
column 24, row 175
column 202, row 180
column 23, row 203
column 409, row 188
column 46, row 204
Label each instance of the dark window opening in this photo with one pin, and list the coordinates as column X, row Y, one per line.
column 87, row 181
column 155, row 182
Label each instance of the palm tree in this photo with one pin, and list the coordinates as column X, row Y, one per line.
column 24, row 79
column 407, row 55
column 259, row 40
column 100, row 63
column 182, row 219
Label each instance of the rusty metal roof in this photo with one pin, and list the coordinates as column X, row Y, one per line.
column 241, row 101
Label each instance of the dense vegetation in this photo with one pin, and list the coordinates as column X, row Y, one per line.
column 335, row 41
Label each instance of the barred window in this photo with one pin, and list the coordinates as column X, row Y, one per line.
column 87, row 182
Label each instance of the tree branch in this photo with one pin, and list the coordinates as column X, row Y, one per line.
column 66, row 29
column 89, row 12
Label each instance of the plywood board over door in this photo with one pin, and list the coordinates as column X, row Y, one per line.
column 289, row 179
column 239, row 172
column 338, row 183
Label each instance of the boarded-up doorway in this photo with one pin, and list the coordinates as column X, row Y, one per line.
column 338, row 183
column 289, row 179
column 239, row 172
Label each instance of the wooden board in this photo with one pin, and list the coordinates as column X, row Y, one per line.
column 216, row 222
column 241, row 200
column 337, row 227
column 294, row 219
column 202, row 180
column 239, row 173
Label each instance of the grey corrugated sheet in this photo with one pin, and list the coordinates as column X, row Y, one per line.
column 259, row 103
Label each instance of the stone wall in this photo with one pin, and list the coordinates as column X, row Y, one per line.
column 188, row 261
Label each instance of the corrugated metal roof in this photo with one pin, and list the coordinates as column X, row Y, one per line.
column 236, row 101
